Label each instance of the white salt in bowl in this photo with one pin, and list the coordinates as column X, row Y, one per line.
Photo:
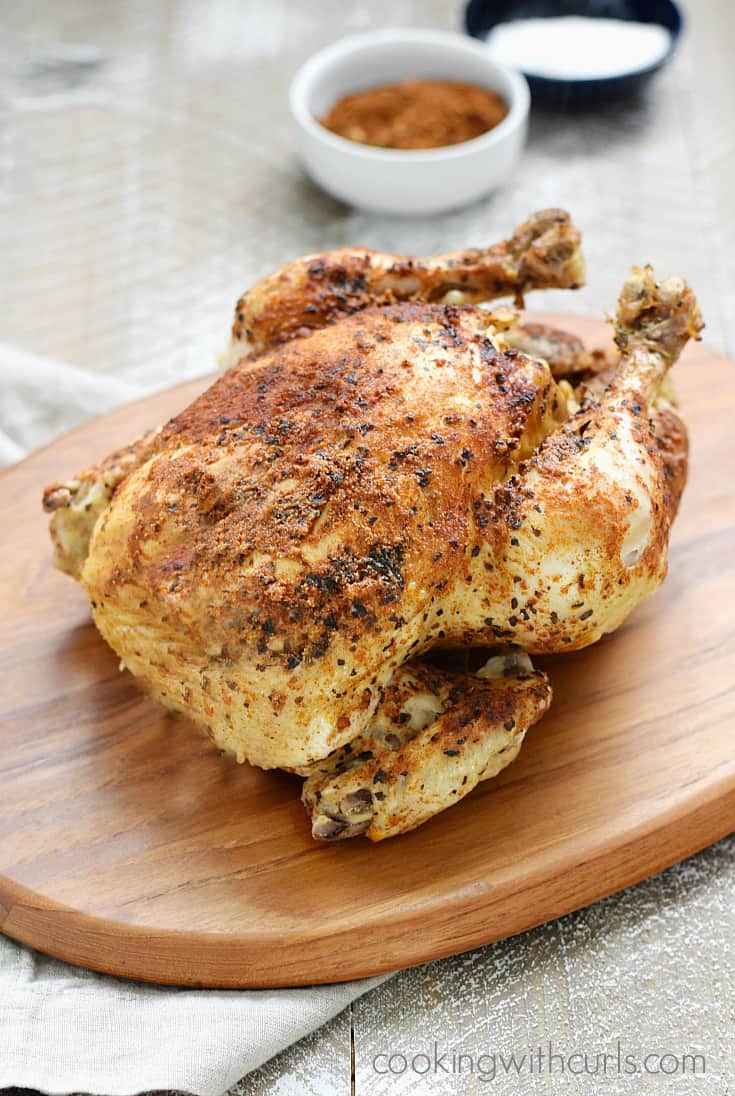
column 483, row 16
column 402, row 181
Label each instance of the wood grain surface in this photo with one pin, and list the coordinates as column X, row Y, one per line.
column 127, row 844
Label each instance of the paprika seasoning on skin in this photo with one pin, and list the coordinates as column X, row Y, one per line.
column 416, row 114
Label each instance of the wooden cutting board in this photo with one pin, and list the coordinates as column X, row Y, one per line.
column 129, row 845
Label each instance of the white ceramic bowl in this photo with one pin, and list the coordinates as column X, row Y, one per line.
column 397, row 180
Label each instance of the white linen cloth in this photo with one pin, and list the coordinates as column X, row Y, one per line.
column 63, row 1029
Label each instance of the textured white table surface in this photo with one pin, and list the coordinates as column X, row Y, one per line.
column 147, row 175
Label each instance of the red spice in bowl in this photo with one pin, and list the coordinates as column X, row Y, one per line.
column 416, row 114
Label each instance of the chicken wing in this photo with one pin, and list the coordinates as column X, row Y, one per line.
column 434, row 737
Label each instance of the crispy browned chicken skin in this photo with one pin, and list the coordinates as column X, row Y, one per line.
column 277, row 559
column 543, row 253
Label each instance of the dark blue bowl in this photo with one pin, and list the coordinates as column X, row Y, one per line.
column 482, row 15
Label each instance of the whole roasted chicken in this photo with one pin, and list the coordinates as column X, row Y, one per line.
column 386, row 470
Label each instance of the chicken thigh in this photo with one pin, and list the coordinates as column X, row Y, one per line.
column 381, row 476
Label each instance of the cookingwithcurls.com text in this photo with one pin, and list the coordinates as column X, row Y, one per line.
column 540, row 1061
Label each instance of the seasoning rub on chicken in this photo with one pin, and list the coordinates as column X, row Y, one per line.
column 387, row 470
